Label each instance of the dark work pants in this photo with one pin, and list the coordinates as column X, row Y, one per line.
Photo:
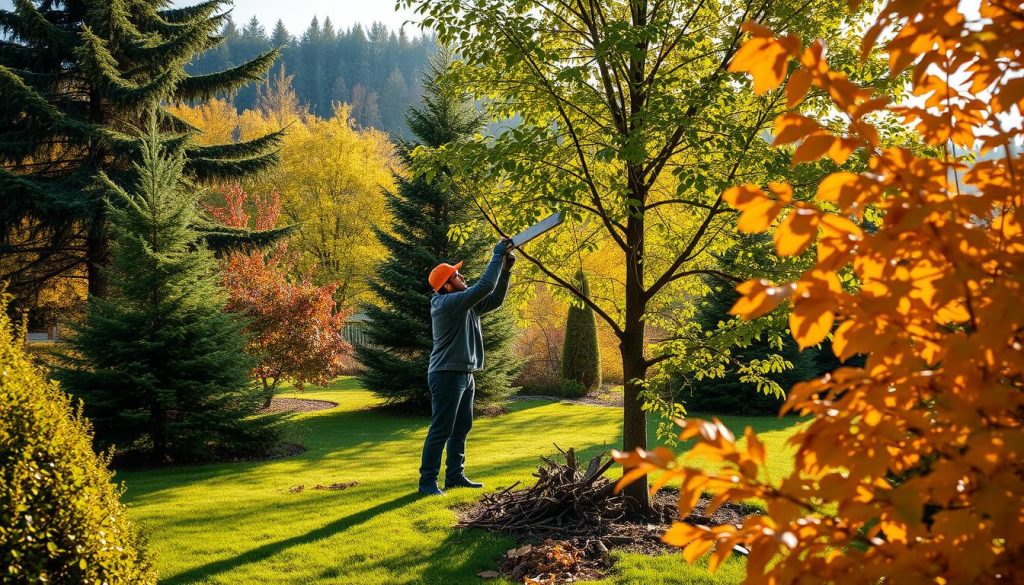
column 451, row 403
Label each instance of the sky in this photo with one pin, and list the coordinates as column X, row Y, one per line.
column 296, row 14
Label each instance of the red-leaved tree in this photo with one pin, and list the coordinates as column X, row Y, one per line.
column 294, row 326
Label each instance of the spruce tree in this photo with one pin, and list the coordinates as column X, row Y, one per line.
column 581, row 358
column 736, row 391
column 76, row 78
column 395, row 361
column 731, row 393
column 159, row 364
column 252, row 42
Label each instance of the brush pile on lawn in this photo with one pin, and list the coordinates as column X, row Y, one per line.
column 571, row 517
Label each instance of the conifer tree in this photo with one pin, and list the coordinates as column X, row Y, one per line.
column 160, row 365
column 748, row 368
column 734, row 392
column 76, row 78
column 581, row 358
column 280, row 36
column 252, row 42
column 400, row 340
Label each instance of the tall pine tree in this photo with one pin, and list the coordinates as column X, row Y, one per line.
column 76, row 78
column 159, row 364
column 396, row 359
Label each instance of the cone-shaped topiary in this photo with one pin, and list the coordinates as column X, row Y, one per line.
column 61, row 518
column 581, row 358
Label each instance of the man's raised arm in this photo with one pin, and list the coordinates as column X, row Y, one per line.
column 465, row 300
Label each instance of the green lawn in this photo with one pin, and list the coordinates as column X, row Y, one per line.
column 239, row 524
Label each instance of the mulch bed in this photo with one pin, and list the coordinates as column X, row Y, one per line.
column 297, row 405
column 568, row 521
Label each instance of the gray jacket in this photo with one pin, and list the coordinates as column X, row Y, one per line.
column 455, row 320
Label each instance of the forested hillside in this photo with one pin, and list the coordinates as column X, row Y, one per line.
column 374, row 69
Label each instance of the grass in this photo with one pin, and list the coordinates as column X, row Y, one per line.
column 238, row 523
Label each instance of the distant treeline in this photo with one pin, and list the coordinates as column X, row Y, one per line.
column 376, row 70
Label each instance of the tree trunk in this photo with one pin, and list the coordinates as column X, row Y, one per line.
column 634, row 419
column 634, row 369
column 269, row 387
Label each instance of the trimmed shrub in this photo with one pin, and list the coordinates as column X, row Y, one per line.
column 61, row 518
column 581, row 358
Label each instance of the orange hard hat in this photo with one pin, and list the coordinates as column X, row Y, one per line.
column 441, row 273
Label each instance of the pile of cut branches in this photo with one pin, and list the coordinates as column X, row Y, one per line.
column 568, row 500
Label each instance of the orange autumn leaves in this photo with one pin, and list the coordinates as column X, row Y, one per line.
column 814, row 297
column 911, row 466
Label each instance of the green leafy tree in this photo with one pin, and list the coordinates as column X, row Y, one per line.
column 625, row 115
column 159, row 364
column 424, row 212
column 581, row 358
column 62, row 518
column 76, row 77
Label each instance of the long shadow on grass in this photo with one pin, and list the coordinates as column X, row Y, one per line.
column 268, row 550
column 330, row 435
column 454, row 561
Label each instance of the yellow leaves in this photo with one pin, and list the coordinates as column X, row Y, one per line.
column 216, row 119
column 331, row 179
column 759, row 298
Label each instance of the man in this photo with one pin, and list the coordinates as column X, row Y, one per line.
column 458, row 352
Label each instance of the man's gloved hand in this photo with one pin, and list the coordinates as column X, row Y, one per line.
column 509, row 259
column 503, row 246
